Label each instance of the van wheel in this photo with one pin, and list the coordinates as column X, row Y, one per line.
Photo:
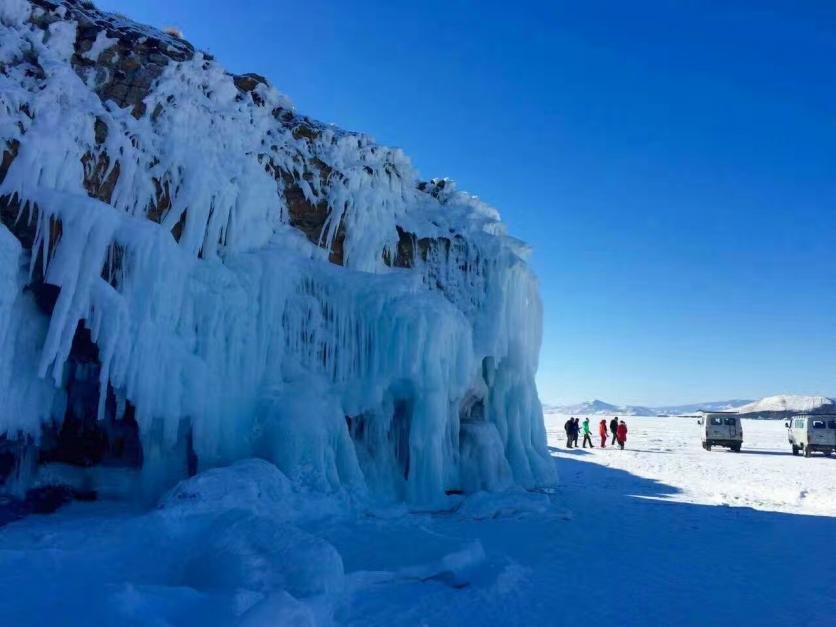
column 794, row 449
column 807, row 451
column 736, row 448
column 706, row 446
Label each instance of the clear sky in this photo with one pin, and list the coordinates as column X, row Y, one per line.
column 673, row 163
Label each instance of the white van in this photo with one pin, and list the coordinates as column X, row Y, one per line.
column 721, row 428
column 811, row 433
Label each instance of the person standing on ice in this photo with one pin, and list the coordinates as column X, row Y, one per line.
column 613, row 429
column 587, row 434
column 576, row 431
column 602, row 431
column 567, row 427
column 621, row 432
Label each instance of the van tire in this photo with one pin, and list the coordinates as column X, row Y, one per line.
column 736, row 448
column 706, row 446
column 807, row 451
column 794, row 449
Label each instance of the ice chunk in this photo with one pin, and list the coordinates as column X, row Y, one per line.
column 251, row 485
column 452, row 569
column 257, row 553
column 484, row 505
column 279, row 608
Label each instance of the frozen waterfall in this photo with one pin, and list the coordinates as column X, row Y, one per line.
column 234, row 280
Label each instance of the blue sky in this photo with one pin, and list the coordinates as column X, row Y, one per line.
column 673, row 163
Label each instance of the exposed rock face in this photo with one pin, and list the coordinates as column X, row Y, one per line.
column 196, row 248
column 120, row 60
column 123, row 58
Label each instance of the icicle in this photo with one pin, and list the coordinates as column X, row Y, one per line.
column 217, row 316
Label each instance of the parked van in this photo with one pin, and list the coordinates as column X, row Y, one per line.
column 721, row 428
column 811, row 433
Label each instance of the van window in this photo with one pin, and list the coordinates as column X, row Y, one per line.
column 730, row 421
column 799, row 423
column 818, row 424
column 831, row 424
column 716, row 420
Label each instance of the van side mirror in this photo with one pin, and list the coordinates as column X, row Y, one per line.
column 787, row 425
column 699, row 421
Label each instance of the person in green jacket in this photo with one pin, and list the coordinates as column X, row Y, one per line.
column 586, row 433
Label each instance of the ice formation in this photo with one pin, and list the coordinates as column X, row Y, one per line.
column 191, row 273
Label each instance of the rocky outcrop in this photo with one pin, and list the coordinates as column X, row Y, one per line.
column 121, row 61
column 195, row 249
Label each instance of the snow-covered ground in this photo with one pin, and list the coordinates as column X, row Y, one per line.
column 662, row 533
column 764, row 475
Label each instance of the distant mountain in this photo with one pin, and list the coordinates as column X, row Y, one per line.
column 600, row 408
column 770, row 407
column 784, row 405
column 676, row 410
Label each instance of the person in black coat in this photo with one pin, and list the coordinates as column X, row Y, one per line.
column 576, row 431
column 613, row 428
column 568, row 428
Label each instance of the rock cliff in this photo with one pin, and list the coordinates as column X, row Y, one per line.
column 193, row 273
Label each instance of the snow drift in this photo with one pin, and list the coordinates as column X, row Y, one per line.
column 192, row 273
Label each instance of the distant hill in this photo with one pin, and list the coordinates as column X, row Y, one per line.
column 600, row 408
column 785, row 405
column 769, row 407
column 676, row 410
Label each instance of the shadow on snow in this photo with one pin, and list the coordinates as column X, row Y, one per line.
column 622, row 553
column 687, row 563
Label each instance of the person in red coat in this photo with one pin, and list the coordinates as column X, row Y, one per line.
column 602, row 431
column 621, row 434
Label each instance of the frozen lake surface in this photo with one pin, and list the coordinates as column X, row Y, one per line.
column 764, row 475
column 663, row 533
